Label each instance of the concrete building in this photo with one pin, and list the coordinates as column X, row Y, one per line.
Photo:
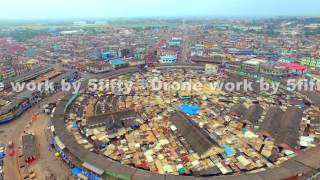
column 98, row 67
column 168, row 58
column 211, row 69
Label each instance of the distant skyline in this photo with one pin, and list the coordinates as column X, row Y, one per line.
column 69, row 9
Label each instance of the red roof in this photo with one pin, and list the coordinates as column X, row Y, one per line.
column 171, row 52
column 16, row 49
column 163, row 40
column 293, row 66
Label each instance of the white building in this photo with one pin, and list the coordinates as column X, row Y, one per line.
column 211, row 69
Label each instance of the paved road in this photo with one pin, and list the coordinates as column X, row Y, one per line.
column 185, row 47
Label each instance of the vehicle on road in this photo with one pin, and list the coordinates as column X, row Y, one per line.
column 2, row 152
column 10, row 145
column 49, row 107
column 11, row 152
column 2, row 155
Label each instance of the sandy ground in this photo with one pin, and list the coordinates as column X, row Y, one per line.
column 47, row 164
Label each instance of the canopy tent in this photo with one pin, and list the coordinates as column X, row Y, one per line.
column 76, row 171
column 228, row 150
column 190, row 110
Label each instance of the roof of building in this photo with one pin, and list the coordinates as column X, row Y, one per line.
column 33, row 73
column 268, row 66
column 25, row 94
column 254, row 61
column 313, row 97
column 98, row 65
column 238, row 109
column 62, row 76
column 214, row 59
column 190, row 109
column 253, row 114
column 29, row 146
column 271, row 122
column 305, row 163
column 289, row 128
column 118, row 61
column 212, row 171
column 114, row 120
column 170, row 52
column 194, row 135
column 168, row 56
column 13, row 104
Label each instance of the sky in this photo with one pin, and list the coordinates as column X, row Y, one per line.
column 66, row 9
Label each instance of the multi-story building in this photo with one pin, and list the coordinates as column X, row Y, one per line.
column 252, row 65
column 98, row 67
column 311, row 62
column 6, row 71
column 168, row 58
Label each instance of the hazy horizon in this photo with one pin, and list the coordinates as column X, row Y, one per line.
column 106, row 9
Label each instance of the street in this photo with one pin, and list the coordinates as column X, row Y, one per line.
column 46, row 164
column 185, row 47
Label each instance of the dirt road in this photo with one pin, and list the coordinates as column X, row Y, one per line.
column 47, row 164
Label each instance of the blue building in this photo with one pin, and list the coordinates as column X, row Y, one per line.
column 106, row 55
column 168, row 58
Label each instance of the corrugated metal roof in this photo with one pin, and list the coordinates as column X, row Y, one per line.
column 93, row 168
column 271, row 121
column 289, row 128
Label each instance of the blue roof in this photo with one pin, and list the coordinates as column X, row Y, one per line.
column 228, row 150
column 190, row 109
column 118, row 61
column 106, row 55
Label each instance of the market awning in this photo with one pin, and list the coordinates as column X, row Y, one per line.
column 76, row 171
column 93, row 168
column 59, row 143
column 228, row 150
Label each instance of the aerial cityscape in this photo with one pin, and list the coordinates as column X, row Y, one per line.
column 97, row 90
